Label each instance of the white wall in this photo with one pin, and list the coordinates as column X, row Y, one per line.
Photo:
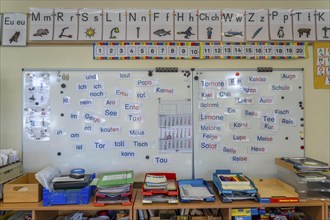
column 12, row 60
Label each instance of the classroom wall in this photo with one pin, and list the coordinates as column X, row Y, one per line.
column 12, row 60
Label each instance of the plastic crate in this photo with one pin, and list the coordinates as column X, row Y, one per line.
column 66, row 197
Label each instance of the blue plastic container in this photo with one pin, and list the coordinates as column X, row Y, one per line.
column 66, row 197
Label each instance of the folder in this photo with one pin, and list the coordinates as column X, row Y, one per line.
column 115, row 179
column 65, row 182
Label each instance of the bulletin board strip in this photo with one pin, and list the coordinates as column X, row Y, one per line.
column 199, row 50
column 322, row 65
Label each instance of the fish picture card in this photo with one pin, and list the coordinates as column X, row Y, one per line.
column 233, row 25
column 303, row 25
column 90, row 24
column 138, row 27
column 41, row 24
column 209, row 25
column 14, row 29
column 114, row 24
column 280, row 24
column 162, row 26
column 185, row 25
column 257, row 28
column 66, row 24
column 322, row 24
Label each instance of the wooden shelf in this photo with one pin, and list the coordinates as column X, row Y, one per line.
column 316, row 209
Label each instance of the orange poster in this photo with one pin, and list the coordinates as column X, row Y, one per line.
column 322, row 65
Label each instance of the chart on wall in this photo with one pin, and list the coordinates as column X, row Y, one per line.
column 108, row 120
column 244, row 119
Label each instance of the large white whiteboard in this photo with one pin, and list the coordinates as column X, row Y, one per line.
column 106, row 120
column 244, row 119
column 185, row 121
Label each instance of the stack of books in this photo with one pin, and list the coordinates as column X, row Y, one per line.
column 160, row 187
column 114, row 188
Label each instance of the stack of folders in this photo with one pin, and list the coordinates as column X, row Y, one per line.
column 306, row 164
column 114, row 188
column 160, row 187
column 67, row 182
column 195, row 189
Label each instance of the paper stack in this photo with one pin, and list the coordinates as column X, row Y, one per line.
column 160, row 187
column 114, row 188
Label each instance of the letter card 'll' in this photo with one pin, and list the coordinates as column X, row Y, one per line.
column 66, row 24
column 41, row 24
column 114, row 24
column 280, row 24
column 233, row 25
column 14, row 29
column 90, row 24
column 257, row 28
column 162, row 26
column 209, row 25
column 303, row 25
column 138, row 25
column 185, row 25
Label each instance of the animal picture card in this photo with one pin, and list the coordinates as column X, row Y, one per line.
column 233, row 25
column 14, row 29
column 41, row 24
column 162, row 24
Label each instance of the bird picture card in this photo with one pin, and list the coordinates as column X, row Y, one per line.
column 257, row 28
column 185, row 25
column 209, row 25
column 14, row 29
column 280, row 24
column 66, row 24
column 138, row 25
column 303, row 25
column 233, row 25
column 114, row 24
column 41, row 24
column 322, row 24
column 90, row 24
column 162, row 26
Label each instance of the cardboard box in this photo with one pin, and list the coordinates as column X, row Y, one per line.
column 10, row 172
column 23, row 189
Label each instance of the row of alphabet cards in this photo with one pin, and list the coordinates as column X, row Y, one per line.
column 196, row 50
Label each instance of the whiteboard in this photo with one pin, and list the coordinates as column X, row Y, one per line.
column 108, row 120
column 245, row 118
column 187, row 121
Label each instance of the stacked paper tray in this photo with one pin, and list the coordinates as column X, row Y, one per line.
column 102, row 199
column 197, row 183
column 169, row 177
column 238, row 193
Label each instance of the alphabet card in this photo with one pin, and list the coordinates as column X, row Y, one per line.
column 41, row 24
column 90, row 24
column 66, row 24
column 138, row 25
column 14, row 29
column 322, row 24
column 233, row 25
column 185, row 25
column 162, row 26
column 280, row 24
column 303, row 25
column 257, row 28
column 209, row 25
column 114, row 24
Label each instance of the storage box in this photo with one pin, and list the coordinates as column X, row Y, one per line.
column 23, row 189
column 10, row 172
column 67, row 196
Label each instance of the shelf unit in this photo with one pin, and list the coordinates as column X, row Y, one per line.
column 314, row 208
column 40, row 212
